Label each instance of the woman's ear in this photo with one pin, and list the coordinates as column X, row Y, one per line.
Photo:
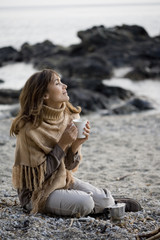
column 46, row 96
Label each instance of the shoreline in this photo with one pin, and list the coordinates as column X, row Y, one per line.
column 121, row 154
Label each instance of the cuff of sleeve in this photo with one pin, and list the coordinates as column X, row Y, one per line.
column 72, row 155
column 58, row 152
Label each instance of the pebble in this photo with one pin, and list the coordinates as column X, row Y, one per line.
column 14, row 222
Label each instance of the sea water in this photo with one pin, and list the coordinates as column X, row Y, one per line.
column 34, row 21
column 59, row 20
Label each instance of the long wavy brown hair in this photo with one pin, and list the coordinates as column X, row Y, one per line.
column 32, row 99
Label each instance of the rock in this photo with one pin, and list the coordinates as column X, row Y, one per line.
column 91, row 96
column 1, row 81
column 77, row 67
column 88, row 67
column 137, row 74
column 124, row 109
column 77, row 50
column 40, row 50
column 87, row 99
column 141, row 104
column 9, row 54
column 9, row 96
column 84, row 66
column 101, row 36
column 140, row 73
column 72, row 82
column 101, row 97
column 134, row 32
column 43, row 63
column 113, row 91
column 98, row 86
column 100, row 50
column 92, row 84
column 121, row 45
column 27, row 52
column 134, row 105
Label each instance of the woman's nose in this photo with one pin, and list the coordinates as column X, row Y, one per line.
column 65, row 86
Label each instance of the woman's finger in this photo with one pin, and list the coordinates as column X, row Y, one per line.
column 86, row 134
column 88, row 124
column 87, row 130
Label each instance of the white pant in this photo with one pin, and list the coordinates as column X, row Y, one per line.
column 81, row 199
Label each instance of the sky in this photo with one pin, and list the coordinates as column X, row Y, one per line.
column 9, row 3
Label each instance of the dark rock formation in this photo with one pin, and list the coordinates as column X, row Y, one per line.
column 141, row 104
column 88, row 100
column 134, row 105
column 101, row 49
column 83, row 66
column 110, row 91
column 98, row 37
column 1, row 81
column 146, row 72
column 9, row 54
column 9, row 96
column 91, row 100
column 77, row 67
column 42, row 50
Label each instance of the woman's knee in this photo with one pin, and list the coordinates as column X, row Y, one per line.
column 69, row 203
column 85, row 207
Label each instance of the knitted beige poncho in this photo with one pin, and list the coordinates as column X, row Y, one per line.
column 30, row 156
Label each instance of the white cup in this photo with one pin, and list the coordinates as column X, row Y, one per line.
column 80, row 124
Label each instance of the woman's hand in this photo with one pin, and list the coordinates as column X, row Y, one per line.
column 79, row 141
column 69, row 136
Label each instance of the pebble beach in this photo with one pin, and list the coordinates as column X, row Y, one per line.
column 121, row 154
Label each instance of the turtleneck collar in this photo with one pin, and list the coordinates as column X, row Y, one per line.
column 53, row 114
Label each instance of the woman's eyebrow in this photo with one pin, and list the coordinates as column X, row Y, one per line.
column 56, row 79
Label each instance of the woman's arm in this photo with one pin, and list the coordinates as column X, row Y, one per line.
column 72, row 159
column 53, row 160
column 54, row 157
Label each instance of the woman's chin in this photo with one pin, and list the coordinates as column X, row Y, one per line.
column 67, row 98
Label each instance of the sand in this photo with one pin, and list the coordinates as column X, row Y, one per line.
column 122, row 154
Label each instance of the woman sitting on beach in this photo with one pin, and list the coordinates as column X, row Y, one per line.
column 48, row 152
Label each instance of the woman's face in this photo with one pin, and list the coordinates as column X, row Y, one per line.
column 56, row 93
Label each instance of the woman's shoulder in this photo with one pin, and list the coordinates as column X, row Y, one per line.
column 25, row 127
